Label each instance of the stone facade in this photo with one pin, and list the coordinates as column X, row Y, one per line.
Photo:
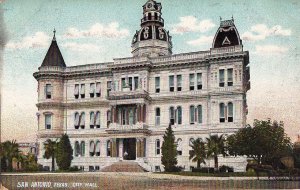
column 119, row 110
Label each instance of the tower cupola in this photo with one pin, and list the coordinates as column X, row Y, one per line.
column 152, row 39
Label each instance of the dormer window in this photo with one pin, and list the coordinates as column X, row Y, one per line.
column 48, row 91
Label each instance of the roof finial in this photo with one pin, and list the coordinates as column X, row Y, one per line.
column 232, row 18
column 220, row 18
column 54, row 38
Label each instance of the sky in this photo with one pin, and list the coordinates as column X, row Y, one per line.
column 97, row 31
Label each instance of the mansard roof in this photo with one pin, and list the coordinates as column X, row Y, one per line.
column 227, row 35
column 53, row 56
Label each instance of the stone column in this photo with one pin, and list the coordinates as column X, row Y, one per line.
column 138, row 148
column 138, row 113
column 141, row 113
column 121, row 149
column 143, row 143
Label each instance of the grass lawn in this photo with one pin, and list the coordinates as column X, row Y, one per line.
column 230, row 174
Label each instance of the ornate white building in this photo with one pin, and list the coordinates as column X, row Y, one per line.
column 120, row 110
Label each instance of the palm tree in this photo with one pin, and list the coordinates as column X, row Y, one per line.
column 198, row 153
column 215, row 146
column 50, row 151
column 10, row 150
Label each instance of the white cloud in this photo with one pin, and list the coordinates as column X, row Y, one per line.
column 39, row 39
column 81, row 47
column 192, row 24
column 261, row 31
column 111, row 30
column 270, row 49
column 203, row 40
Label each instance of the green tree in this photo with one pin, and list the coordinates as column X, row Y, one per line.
column 266, row 142
column 215, row 146
column 50, row 151
column 10, row 150
column 198, row 154
column 64, row 155
column 169, row 152
column 296, row 154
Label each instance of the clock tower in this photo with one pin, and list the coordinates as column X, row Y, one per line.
column 152, row 39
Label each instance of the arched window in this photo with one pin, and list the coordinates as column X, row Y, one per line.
column 222, row 112
column 76, row 120
column 92, row 148
column 230, row 112
column 157, row 147
column 92, row 120
column 77, row 149
column 192, row 114
column 82, row 146
column 179, row 146
column 179, row 115
column 199, row 113
column 191, row 141
column 97, row 148
column 82, row 120
column 172, row 115
column 108, row 148
column 157, row 116
column 97, row 122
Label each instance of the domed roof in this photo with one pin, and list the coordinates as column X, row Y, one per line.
column 227, row 35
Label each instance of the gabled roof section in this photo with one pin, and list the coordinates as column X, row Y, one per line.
column 53, row 56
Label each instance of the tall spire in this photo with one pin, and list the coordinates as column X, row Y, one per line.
column 53, row 56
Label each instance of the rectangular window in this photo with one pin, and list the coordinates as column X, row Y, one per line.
column 97, row 120
column 179, row 82
column 157, row 144
column 98, row 89
column 92, row 90
column 130, row 83
column 222, row 113
column 230, row 112
column 108, row 118
column 199, row 81
column 157, row 116
column 82, row 120
column 48, row 91
column 92, row 120
column 192, row 114
column 157, row 84
column 123, row 83
column 171, row 83
column 108, row 87
column 48, row 121
column 76, row 91
column 136, row 83
column 82, row 91
column 172, row 115
column 192, row 81
column 229, row 77
column 221, row 78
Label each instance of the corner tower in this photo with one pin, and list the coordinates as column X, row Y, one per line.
column 51, row 92
column 152, row 39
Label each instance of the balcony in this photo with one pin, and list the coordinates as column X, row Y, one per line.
column 152, row 18
column 118, row 128
column 121, row 95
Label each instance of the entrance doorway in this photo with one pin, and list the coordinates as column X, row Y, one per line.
column 129, row 149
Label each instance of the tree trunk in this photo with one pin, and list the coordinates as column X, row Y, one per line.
column 9, row 163
column 53, row 163
column 198, row 163
column 216, row 163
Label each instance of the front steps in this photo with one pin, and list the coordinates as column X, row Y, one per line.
column 124, row 166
